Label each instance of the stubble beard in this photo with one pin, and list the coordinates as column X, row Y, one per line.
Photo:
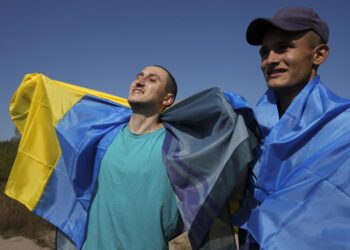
column 143, row 108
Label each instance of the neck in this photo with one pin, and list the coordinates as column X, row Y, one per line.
column 283, row 104
column 142, row 124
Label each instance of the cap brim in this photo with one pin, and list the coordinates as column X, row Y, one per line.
column 258, row 27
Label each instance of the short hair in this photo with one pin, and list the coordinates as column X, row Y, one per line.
column 314, row 39
column 171, row 85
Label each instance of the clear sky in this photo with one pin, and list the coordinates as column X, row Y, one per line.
column 103, row 44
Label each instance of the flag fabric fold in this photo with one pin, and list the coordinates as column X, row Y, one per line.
column 66, row 130
column 303, row 173
column 207, row 146
column 61, row 124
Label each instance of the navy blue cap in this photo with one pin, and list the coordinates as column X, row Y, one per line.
column 289, row 19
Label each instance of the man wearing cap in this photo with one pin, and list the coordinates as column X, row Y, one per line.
column 303, row 174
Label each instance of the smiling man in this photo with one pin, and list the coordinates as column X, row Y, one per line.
column 134, row 206
column 303, row 175
column 289, row 60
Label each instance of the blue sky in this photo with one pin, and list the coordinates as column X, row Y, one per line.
column 103, row 44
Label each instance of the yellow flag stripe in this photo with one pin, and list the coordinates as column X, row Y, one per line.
column 37, row 106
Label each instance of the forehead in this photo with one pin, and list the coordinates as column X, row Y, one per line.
column 274, row 35
column 153, row 70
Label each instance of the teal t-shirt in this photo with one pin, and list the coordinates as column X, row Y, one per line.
column 134, row 206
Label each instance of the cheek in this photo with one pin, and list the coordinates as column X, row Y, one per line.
column 130, row 87
column 264, row 63
column 302, row 63
column 263, row 67
column 132, row 84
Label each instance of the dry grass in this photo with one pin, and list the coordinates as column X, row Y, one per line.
column 17, row 220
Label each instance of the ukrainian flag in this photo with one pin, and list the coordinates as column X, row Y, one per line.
column 59, row 186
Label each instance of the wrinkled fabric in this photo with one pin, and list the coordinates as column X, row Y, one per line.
column 303, row 174
column 37, row 107
column 207, row 147
column 67, row 129
column 57, row 163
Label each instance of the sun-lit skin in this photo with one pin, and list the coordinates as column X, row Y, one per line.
column 148, row 90
column 148, row 98
column 289, row 61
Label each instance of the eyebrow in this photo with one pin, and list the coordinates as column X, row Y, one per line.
column 150, row 75
column 279, row 43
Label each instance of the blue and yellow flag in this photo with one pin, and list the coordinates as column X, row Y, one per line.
column 61, row 125
column 66, row 130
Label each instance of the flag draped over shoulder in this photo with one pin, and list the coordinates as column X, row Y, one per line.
column 207, row 146
column 304, row 172
column 66, row 130
column 56, row 165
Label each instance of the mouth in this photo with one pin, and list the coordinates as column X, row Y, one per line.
column 277, row 72
column 138, row 91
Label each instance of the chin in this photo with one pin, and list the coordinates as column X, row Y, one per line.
column 133, row 101
column 277, row 84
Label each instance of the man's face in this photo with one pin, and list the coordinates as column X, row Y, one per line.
column 149, row 88
column 287, row 60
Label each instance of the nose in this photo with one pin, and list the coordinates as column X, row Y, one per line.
column 272, row 57
column 140, row 81
column 139, row 84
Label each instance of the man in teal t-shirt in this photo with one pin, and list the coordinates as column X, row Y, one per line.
column 135, row 206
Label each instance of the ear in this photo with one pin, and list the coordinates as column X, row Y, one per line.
column 321, row 54
column 168, row 99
